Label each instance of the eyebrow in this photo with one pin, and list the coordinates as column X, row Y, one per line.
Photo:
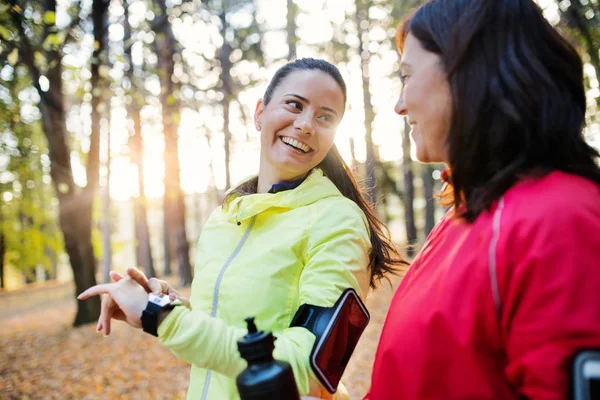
column 304, row 99
column 404, row 64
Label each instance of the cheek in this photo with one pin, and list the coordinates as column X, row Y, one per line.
column 412, row 98
column 326, row 142
column 266, row 137
column 263, row 139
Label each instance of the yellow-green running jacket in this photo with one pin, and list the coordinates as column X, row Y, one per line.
column 264, row 255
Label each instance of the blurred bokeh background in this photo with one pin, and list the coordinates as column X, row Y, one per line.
column 123, row 123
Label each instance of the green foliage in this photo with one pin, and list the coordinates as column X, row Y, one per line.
column 27, row 201
column 580, row 22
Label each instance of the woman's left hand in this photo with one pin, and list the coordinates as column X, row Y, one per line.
column 129, row 295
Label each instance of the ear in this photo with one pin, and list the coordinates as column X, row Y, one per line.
column 260, row 107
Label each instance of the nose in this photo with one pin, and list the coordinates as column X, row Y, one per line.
column 304, row 123
column 400, row 107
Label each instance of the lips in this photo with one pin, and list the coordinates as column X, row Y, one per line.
column 296, row 144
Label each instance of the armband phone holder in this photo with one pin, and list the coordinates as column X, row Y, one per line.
column 337, row 330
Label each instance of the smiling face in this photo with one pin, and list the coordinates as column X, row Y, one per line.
column 297, row 125
column 425, row 101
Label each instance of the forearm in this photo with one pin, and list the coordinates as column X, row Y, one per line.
column 203, row 341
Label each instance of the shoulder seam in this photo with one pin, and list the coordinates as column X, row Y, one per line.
column 493, row 256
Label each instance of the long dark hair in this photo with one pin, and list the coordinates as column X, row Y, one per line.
column 384, row 257
column 518, row 98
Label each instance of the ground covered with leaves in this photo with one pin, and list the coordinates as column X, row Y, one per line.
column 44, row 357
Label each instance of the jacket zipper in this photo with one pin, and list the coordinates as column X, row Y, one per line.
column 215, row 302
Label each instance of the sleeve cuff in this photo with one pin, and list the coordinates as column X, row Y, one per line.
column 166, row 326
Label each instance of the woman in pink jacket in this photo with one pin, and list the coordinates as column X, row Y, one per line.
column 506, row 289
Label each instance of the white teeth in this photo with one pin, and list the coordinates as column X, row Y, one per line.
column 295, row 143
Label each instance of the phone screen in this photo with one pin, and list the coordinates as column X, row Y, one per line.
column 591, row 373
column 338, row 347
column 595, row 388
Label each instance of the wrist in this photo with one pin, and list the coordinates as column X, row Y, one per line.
column 156, row 310
column 161, row 316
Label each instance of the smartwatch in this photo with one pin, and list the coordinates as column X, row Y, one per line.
column 156, row 303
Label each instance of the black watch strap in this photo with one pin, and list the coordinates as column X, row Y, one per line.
column 150, row 318
column 156, row 303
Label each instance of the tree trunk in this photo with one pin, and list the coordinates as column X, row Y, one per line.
column 75, row 215
column 353, row 163
column 409, row 191
column 165, row 45
column 143, row 249
column 75, row 204
column 292, row 39
column 215, row 196
column 166, row 238
column 2, row 253
column 51, row 254
column 106, row 228
column 426, row 175
column 227, row 91
column 99, row 110
column 362, row 15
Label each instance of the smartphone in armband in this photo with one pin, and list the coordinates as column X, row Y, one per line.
column 337, row 330
column 586, row 375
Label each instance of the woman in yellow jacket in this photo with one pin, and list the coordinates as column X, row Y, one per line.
column 298, row 233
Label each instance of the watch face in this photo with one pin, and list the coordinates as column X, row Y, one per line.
column 161, row 300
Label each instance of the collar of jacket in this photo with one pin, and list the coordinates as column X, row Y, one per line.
column 315, row 187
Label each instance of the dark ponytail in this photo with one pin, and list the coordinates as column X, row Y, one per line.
column 384, row 258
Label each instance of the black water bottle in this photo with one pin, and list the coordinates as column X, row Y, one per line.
column 265, row 378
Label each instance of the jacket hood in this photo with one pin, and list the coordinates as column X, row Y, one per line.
column 315, row 187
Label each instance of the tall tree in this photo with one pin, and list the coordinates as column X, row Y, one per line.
column 106, row 225
column 27, row 221
column 75, row 203
column 246, row 40
column 2, row 253
column 292, row 39
column 409, row 190
column 166, row 47
column 398, row 12
column 226, row 90
column 143, row 250
column 428, row 184
column 101, row 111
column 362, row 26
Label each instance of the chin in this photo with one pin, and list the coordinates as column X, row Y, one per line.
column 422, row 156
column 293, row 170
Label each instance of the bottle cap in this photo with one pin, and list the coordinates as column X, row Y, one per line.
column 256, row 345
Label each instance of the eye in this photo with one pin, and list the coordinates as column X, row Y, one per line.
column 295, row 104
column 404, row 78
column 326, row 118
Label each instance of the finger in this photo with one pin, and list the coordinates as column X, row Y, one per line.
column 158, row 286
column 139, row 277
column 102, row 317
column 173, row 294
column 99, row 324
column 106, row 312
column 95, row 290
column 115, row 276
column 185, row 302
